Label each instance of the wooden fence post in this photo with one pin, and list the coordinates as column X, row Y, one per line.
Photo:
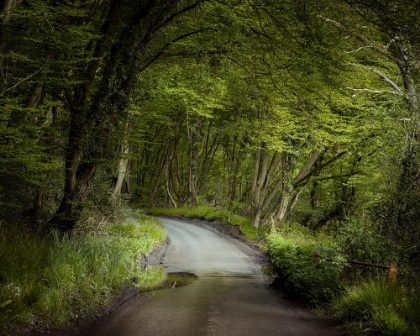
column 344, row 274
column 317, row 257
column 392, row 273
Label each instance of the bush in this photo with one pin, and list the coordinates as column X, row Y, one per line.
column 362, row 242
column 393, row 309
column 291, row 250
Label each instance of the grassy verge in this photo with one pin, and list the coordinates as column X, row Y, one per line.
column 374, row 305
column 212, row 214
column 48, row 282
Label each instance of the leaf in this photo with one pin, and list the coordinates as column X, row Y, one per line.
column 5, row 303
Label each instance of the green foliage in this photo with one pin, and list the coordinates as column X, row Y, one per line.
column 211, row 214
column 291, row 250
column 150, row 276
column 361, row 241
column 56, row 281
column 391, row 308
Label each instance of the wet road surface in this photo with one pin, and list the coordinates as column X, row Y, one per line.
column 228, row 298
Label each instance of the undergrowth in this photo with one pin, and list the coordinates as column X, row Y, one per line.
column 367, row 304
column 49, row 281
column 374, row 305
column 212, row 214
column 291, row 250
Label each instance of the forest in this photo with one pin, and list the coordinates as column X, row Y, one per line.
column 280, row 111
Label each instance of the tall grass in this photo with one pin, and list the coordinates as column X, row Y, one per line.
column 52, row 281
column 212, row 214
column 393, row 309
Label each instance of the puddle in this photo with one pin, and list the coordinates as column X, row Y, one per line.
column 176, row 279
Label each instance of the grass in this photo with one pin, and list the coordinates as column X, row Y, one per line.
column 392, row 309
column 212, row 214
column 150, row 277
column 52, row 281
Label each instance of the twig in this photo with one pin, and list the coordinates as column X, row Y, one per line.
column 26, row 78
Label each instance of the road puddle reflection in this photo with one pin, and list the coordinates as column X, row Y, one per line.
column 155, row 278
column 177, row 279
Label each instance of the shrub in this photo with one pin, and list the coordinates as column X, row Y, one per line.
column 291, row 250
column 361, row 241
column 393, row 309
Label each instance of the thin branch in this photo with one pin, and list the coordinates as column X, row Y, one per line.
column 182, row 11
column 333, row 177
column 382, row 76
column 26, row 78
column 358, row 49
column 365, row 40
column 186, row 54
column 374, row 91
column 150, row 60
column 319, row 168
column 238, row 63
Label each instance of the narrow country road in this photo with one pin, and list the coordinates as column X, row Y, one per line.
column 228, row 298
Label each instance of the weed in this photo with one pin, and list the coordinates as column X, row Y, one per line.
column 150, row 276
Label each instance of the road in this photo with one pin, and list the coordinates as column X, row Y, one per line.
column 228, row 298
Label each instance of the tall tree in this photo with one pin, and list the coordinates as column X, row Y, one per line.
column 99, row 104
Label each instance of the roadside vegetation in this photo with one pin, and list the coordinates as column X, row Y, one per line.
column 358, row 295
column 376, row 306
column 48, row 282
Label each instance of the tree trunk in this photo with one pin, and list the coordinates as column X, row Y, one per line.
column 260, row 173
column 192, row 132
column 128, row 29
column 122, row 170
column 283, row 208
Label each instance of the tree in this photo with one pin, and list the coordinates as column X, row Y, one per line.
column 99, row 104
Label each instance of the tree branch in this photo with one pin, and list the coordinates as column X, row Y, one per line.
column 382, row 76
column 365, row 40
column 374, row 91
column 26, row 78
column 150, row 60
column 182, row 11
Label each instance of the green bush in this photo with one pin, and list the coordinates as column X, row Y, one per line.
column 291, row 250
column 393, row 309
column 361, row 241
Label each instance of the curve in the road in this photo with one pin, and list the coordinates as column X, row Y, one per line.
column 229, row 297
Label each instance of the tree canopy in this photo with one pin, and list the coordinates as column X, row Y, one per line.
column 279, row 110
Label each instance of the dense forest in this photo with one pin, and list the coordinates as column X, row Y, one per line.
column 302, row 111
column 290, row 110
